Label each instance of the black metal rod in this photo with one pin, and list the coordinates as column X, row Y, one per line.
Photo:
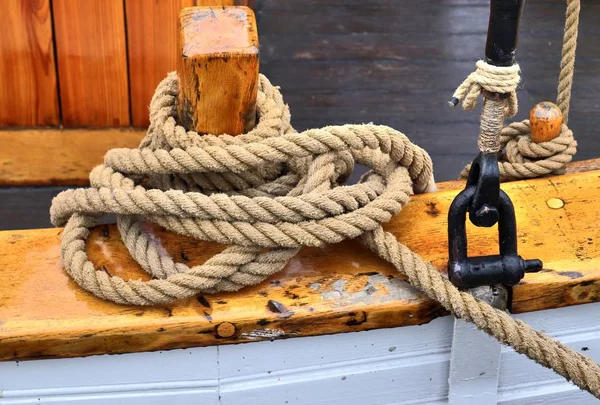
column 503, row 31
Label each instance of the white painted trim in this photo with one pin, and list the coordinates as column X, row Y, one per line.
column 397, row 366
column 474, row 366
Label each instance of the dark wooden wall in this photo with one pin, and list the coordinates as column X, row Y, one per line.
column 392, row 62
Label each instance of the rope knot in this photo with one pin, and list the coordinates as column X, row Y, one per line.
column 495, row 79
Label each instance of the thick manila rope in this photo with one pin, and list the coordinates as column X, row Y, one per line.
column 266, row 194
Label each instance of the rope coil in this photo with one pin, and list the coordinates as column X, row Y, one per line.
column 266, row 194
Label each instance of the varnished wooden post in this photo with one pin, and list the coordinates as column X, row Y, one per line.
column 218, row 69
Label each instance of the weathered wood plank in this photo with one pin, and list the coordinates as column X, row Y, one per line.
column 28, row 95
column 56, row 157
column 92, row 62
column 152, row 49
column 338, row 288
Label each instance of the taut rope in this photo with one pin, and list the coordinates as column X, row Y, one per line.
column 266, row 194
column 522, row 157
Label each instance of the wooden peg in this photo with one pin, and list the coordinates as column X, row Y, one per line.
column 546, row 121
column 218, row 69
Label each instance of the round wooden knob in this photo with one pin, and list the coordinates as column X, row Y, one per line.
column 546, row 121
column 225, row 330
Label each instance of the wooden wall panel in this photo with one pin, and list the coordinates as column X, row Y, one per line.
column 92, row 62
column 152, row 46
column 28, row 93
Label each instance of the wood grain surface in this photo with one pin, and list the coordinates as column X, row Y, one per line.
column 92, row 62
column 28, row 93
column 24, row 157
column 218, row 69
column 152, row 49
column 334, row 289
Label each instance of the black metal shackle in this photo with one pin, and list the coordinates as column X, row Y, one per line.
column 485, row 176
column 507, row 267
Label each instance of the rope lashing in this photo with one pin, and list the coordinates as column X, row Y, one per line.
column 523, row 158
column 495, row 79
column 267, row 194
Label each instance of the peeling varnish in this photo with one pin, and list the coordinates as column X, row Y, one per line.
column 262, row 334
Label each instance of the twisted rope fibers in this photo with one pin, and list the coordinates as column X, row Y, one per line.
column 266, row 194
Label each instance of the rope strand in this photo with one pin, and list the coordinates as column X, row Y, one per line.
column 267, row 194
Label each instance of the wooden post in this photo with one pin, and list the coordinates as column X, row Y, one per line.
column 218, row 69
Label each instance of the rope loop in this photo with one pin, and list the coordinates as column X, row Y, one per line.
column 271, row 188
column 495, row 79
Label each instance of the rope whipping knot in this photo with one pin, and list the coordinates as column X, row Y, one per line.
column 495, row 79
column 265, row 194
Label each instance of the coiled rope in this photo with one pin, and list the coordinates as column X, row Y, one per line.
column 267, row 194
column 523, row 158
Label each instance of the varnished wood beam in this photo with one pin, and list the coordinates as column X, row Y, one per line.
column 47, row 157
column 218, row 69
column 334, row 289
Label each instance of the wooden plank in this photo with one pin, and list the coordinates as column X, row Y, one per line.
column 152, row 49
column 338, row 288
column 24, row 156
column 23, row 163
column 92, row 62
column 28, row 94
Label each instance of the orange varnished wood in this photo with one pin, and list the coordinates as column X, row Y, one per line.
column 572, row 167
column 28, row 95
column 152, row 49
column 337, row 288
column 92, row 62
column 218, row 69
column 546, row 121
column 24, row 155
